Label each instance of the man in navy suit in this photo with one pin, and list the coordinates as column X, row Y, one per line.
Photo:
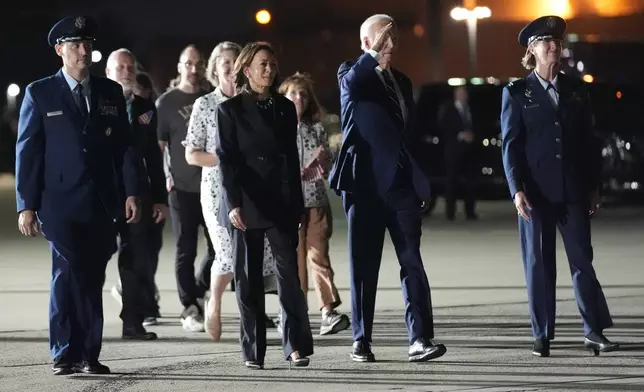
column 76, row 177
column 552, row 165
column 382, row 188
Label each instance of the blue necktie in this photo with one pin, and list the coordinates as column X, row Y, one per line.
column 80, row 100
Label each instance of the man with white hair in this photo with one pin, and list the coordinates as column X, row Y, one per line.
column 382, row 187
column 138, row 240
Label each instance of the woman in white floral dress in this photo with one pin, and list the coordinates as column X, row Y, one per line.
column 200, row 151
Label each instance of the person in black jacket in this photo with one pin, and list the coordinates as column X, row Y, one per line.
column 461, row 149
column 140, row 242
column 256, row 144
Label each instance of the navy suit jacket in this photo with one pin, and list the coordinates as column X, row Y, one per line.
column 371, row 143
column 549, row 153
column 69, row 168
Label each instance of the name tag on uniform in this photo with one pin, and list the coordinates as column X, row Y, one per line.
column 107, row 110
column 56, row 113
column 531, row 106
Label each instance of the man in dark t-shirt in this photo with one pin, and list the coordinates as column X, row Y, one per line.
column 184, row 181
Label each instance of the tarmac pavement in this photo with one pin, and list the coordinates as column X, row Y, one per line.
column 479, row 300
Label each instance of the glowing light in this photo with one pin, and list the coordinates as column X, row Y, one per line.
column 96, row 56
column 460, row 13
column 611, row 8
column 619, row 95
column 554, row 7
column 580, row 66
column 263, row 17
column 486, row 142
column 588, row 78
column 477, row 81
column 456, row 81
column 13, row 90
column 419, row 30
column 482, row 12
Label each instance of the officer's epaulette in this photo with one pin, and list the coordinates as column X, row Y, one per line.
column 517, row 85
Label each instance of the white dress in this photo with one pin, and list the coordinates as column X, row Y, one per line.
column 201, row 134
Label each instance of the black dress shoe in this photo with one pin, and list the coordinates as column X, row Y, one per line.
column 62, row 369
column 362, row 352
column 92, row 368
column 596, row 343
column 426, row 349
column 137, row 333
column 541, row 348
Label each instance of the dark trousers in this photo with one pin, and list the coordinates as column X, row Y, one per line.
column 80, row 252
column 249, row 288
column 187, row 217
column 137, row 252
column 155, row 244
column 369, row 216
column 461, row 172
column 538, row 240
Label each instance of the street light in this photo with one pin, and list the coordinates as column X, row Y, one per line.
column 471, row 18
column 13, row 90
column 263, row 17
column 97, row 56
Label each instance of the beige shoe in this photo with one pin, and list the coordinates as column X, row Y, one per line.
column 212, row 321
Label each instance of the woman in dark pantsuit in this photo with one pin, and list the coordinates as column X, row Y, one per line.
column 262, row 196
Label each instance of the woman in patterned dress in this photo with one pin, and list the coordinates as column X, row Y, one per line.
column 200, row 151
column 317, row 224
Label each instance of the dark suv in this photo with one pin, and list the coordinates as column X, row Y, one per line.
column 618, row 125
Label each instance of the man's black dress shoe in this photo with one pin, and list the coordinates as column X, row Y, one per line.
column 596, row 343
column 62, row 368
column 361, row 352
column 541, row 348
column 92, row 368
column 137, row 333
column 425, row 349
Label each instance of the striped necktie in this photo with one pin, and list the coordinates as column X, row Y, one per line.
column 394, row 103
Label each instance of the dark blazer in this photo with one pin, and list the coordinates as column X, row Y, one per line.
column 549, row 153
column 143, row 117
column 371, row 143
column 451, row 123
column 69, row 168
column 259, row 163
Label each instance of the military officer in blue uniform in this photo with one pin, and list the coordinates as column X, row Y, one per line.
column 552, row 164
column 76, row 176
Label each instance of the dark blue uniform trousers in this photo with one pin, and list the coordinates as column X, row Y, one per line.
column 538, row 246
column 368, row 217
column 80, row 252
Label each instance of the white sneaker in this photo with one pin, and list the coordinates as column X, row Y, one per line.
column 117, row 294
column 191, row 320
column 149, row 321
